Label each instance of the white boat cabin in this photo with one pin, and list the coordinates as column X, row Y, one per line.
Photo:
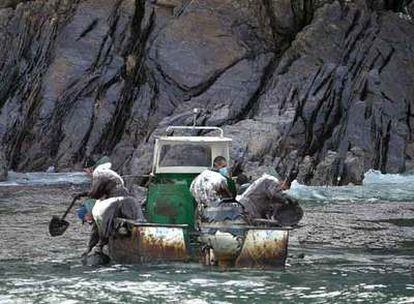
column 189, row 154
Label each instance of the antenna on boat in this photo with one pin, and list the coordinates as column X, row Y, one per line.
column 195, row 113
column 194, row 126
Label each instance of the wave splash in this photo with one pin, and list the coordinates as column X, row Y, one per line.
column 376, row 187
column 45, row 179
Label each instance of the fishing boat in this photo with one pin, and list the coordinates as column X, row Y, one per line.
column 172, row 233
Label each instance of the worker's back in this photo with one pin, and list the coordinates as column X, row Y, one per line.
column 107, row 183
column 209, row 187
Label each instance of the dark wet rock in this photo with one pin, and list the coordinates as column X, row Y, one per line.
column 10, row 3
column 3, row 165
column 410, row 9
column 292, row 81
column 95, row 259
column 305, row 170
column 354, row 167
column 326, row 170
column 339, row 96
column 253, row 141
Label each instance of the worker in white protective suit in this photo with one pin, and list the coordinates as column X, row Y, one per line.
column 112, row 200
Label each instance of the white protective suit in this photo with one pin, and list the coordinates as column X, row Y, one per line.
column 113, row 201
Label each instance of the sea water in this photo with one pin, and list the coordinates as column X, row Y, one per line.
column 354, row 245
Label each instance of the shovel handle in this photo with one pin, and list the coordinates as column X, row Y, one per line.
column 73, row 203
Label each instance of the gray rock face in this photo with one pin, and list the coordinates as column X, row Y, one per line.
column 347, row 98
column 10, row 3
column 3, row 165
column 320, row 90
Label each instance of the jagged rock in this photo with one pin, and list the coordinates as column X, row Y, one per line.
column 252, row 143
column 340, row 95
column 10, row 3
column 409, row 166
column 326, row 172
column 290, row 80
column 354, row 168
column 410, row 9
column 167, row 3
column 305, row 170
column 3, row 165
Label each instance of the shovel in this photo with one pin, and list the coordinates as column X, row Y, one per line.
column 57, row 225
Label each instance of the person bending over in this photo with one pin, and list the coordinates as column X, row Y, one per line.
column 107, row 199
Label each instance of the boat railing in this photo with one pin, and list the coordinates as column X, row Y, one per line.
column 191, row 128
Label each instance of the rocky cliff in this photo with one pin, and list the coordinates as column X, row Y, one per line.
column 3, row 166
column 319, row 90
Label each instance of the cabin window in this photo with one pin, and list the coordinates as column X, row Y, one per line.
column 186, row 155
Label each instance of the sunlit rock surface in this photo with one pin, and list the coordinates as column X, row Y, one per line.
column 318, row 90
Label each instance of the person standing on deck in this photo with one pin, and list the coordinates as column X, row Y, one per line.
column 211, row 186
column 263, row 199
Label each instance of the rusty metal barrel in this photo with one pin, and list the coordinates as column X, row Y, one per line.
column 149, row 243
column 228, row 241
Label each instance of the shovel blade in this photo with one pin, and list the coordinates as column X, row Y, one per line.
column 57, row 226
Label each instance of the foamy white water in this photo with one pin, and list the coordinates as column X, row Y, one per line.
column 45, row 179
column 376, row 187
